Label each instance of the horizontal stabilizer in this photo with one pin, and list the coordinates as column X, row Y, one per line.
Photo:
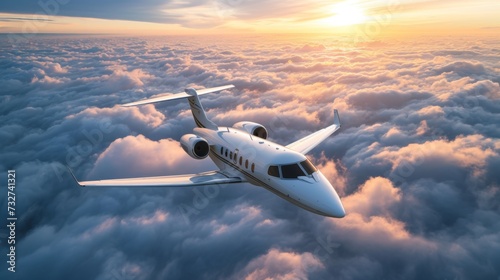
column 169, row 96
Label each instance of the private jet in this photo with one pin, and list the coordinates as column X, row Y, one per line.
column 243, row 154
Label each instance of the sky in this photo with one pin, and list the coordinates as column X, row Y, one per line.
column 154, row 17
column 415, row 163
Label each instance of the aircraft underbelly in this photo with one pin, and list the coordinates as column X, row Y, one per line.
column 293, row 200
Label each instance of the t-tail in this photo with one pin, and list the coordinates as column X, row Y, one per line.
column 199, row 115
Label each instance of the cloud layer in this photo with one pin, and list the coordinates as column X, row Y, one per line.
column 416, row 161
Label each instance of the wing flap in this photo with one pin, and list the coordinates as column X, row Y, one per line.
column 187, row 180
column 309, row 142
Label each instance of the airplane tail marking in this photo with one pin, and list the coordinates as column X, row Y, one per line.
column 199, row 115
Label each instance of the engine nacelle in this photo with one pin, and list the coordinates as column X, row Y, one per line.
column 253, row 128
column 195, row 146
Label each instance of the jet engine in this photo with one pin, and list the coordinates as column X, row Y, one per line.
column 195, row 146
column 253, row 128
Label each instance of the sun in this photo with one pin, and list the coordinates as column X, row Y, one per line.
column 346, row 13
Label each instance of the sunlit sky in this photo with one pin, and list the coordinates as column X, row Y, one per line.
column 237, row 16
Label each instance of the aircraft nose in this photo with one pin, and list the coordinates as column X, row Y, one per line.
column 331, row 204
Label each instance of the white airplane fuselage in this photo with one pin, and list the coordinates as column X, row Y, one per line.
column 239, row 153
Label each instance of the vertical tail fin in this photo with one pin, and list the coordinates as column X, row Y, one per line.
column 200, row 118
column 197, row 109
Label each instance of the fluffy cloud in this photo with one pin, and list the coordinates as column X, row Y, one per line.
column 139, row 156
column 416, row 160
column 375, row 198
column 471, row 152
column 281, row 265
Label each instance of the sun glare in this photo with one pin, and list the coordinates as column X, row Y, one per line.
column 346, row 13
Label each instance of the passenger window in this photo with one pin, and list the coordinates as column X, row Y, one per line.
column 221, row 150
column 291, row 171
column 246, row 163
column 253, row 167
column 241, row 161
column 273, row 171
column 226, row 152
column 308, row 167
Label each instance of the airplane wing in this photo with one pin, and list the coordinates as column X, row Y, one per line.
column 309, row 142
column 187, row 180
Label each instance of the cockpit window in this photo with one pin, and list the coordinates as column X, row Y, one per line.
column 291, row 171
column 308, row 167
column 273, row 171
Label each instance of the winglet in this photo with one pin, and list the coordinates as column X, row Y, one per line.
column 336, row 118
column 74, row 177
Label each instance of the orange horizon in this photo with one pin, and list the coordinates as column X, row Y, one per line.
column 347, row 17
